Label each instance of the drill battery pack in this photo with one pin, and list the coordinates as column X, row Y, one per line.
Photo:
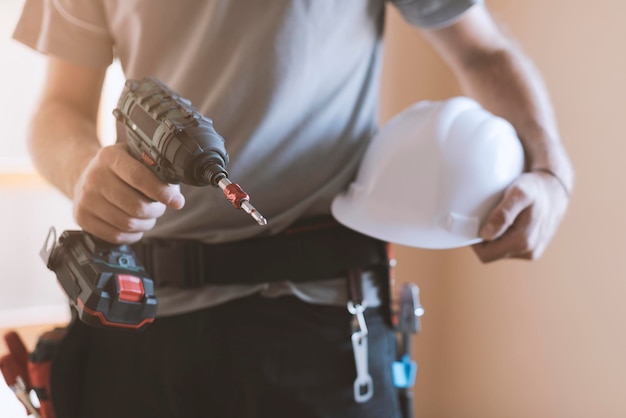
column 104, row 282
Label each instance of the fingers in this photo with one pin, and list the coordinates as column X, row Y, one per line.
column 519, row 241
column 524, row 222
column 118, row 199
column 109, row 233
column 139, row 177
column 100, row 215
column 502, row 217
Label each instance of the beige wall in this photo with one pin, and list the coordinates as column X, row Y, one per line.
column 545, row 338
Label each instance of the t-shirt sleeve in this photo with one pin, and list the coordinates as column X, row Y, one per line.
column 433, row 13
column 74, row 30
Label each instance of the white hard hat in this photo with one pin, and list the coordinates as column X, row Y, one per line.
column 432, row 174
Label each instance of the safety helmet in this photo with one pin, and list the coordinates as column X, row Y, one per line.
column 431, row 175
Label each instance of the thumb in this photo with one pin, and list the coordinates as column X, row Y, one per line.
column 176, row 198
column 502, row 217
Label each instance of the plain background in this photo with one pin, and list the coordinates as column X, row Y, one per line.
column 542, row 339
column 509, row 339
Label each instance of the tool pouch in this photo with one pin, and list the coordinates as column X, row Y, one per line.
column 27, row 373
column 39, row 366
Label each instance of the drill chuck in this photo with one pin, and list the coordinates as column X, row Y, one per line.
column 211, row 173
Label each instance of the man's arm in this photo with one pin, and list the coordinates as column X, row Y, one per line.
column 115, row 197
column 492, row 69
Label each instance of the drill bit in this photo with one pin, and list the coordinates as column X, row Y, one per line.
column 240, row 199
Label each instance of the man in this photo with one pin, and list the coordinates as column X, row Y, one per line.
column 292, row 86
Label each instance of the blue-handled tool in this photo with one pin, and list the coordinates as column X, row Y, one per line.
column 404, row 370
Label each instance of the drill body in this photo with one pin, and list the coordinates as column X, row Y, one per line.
column 169, row 135
column 175, row 141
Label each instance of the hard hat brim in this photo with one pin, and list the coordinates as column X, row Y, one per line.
column 394, row 231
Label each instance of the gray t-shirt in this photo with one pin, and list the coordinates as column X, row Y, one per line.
column 292, row 86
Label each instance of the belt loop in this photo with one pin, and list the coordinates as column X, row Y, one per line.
column 166, row 258
column 355, row 285
column 193, row 254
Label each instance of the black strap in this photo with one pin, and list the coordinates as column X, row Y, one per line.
column 355, row 285
column 311, row 250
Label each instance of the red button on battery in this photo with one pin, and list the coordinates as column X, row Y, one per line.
column 131, row 288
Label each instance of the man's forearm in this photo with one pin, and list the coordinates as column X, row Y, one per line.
column 494, row 70
column 507, row 83
column 61, row 142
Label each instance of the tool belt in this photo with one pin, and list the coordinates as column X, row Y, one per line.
column 314, row 249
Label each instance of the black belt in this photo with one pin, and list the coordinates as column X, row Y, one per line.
column 310, row 250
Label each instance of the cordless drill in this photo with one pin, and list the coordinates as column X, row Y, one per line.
column 176, row 141
column 105, row 283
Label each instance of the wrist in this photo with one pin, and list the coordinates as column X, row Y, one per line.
column 564, row 186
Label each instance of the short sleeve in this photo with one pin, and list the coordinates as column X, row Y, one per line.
column 433, row 13
column 74, row 30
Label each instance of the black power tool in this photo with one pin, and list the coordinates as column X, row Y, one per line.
column 175, row 141
column 104, row 282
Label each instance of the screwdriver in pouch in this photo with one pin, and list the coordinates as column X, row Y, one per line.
column 178, row 143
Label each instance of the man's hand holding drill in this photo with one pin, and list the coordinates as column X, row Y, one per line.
column 117, row 198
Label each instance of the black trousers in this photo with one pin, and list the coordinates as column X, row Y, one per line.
column 250, row 358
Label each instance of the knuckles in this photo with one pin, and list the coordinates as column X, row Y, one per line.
column 531, row 220
column 119, row 237
column 145, row 210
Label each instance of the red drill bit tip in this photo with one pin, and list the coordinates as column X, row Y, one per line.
column 240, row 199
